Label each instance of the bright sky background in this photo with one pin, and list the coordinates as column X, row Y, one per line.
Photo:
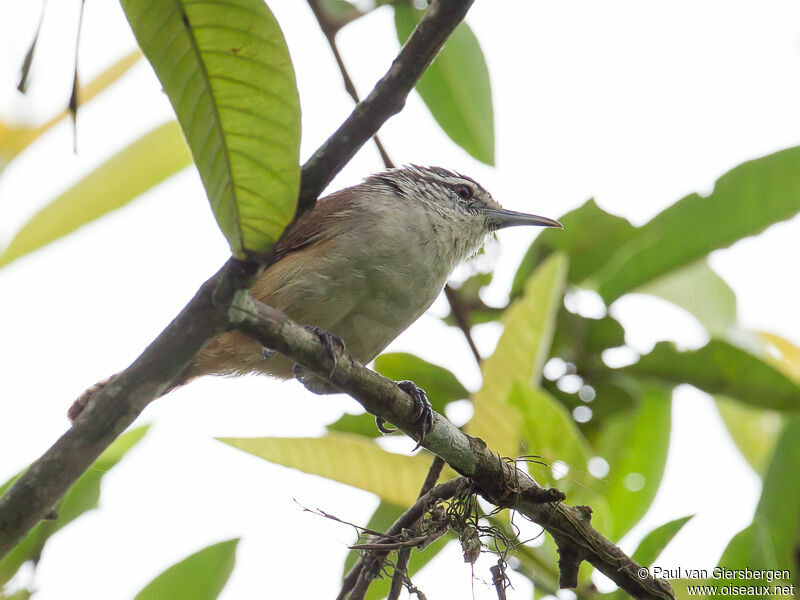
column 634, row 103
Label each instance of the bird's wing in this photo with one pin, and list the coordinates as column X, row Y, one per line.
column 329, row 217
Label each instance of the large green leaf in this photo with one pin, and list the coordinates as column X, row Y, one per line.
column 519, row 356
column 226, row 69
column 744, row 202
column 779, row 506
column 82, row 496
column 721, row 368
column 770, row 542
column 347, row 458
column 589, row 238
column 654, row 542
column 698, row 290
column 579, row 338
column 201, row 576
column 456, row 87
column 129, row 173
column 635, row 445
column 440, row 385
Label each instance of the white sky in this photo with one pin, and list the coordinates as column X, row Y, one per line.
column 634, row 103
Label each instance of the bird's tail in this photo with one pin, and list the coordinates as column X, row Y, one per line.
column 81, row 401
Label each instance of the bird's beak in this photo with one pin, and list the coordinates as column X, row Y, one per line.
column 501, row 218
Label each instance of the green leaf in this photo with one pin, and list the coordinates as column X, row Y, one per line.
column 349, row 459
column 721, row 368
column 362, row 424
column 201, row 576
column 383, row 518
column 698, row 290
column 456, row 86
column 129, row 173
column 754, row 430
column 654, row 542
column 520, row 355
column 82, row 497
column 745, row 201
column 551, row 433
column 779, row 506
column 441, row 386
column 635, row 445
column 226, row 69
column 589, row 238
column 579, row 339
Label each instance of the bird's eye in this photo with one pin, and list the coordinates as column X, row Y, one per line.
column 464, row 191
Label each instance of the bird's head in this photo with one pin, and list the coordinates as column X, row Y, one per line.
column 455, row 196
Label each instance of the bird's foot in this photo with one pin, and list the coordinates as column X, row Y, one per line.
column 423, row 411
column 267, row 353
column 314, row 384
column 334, row 345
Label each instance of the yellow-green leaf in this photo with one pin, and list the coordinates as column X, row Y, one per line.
column 520, row 355
column 346, row 458
column 15, row 138
column 754, row 430
column 129, row 173
column 226, row 69
column 456, row 87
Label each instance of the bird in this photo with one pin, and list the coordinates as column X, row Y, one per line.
column 359, row 268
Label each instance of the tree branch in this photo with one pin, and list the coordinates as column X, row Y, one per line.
column 499, row 481
column 118, row 404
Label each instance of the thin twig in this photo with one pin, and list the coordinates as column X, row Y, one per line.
column 401, row 566
column 462, row 319
column 387, row 98
column 330, row 29
column 357, row 579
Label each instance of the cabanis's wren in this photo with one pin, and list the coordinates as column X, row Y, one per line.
column 364, row 265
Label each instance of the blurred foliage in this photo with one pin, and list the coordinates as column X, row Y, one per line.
column 601, row 434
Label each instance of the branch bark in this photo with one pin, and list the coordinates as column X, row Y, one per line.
column 497, row 480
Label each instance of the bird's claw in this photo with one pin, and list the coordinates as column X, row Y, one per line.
column 423, row 411
column 380, row 423
column 333, row 344
column 267, row 353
